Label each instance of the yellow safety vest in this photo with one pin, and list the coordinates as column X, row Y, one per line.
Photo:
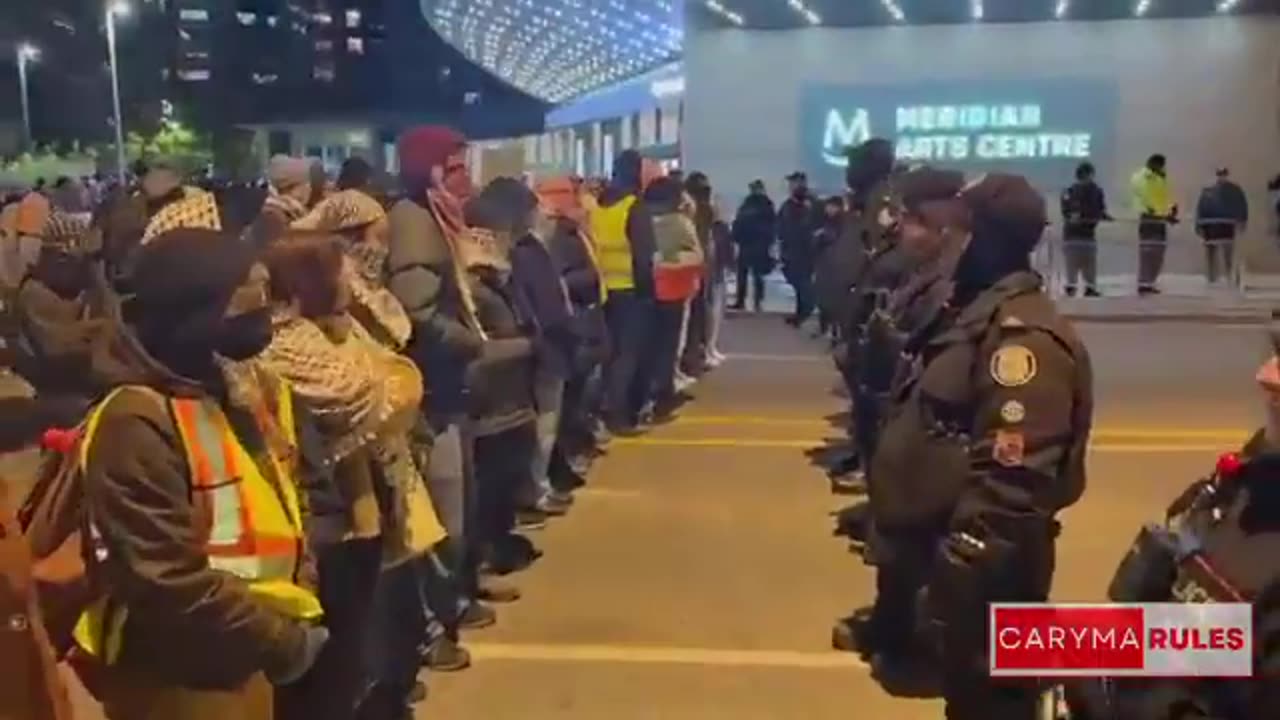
column 255, row 527
column 613, row 247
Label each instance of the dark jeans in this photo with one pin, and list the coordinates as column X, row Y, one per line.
column 398, row 628
column 333, row 687
column 668, row 324
column 1153, row 239
column 750, row 267
column 800, row 277
column 1219, row 256
column 502, row 463
column 1081, row 254
column 629, row 372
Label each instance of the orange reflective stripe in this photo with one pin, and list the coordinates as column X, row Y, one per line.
column 201, row 469
column 257, row 545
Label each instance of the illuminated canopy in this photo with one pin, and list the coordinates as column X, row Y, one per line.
column 559, row 49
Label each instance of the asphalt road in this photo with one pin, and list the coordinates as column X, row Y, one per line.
column 697, row 578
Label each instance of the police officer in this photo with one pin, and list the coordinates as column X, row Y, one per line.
column 867, row 266
column 1218, row 543
column 986, row 441
column 931, row 197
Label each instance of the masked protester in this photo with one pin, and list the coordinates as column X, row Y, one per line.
column 191, row 481
column 425, row 276
column 288, row 190
column 536, row 278
column 500, row 385
column 986, row 440
column 54, row 331
column 824, row 242
column 574, row 256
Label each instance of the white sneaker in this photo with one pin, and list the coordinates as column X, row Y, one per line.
column 718, row 356
column 684, row 382
column 714, row 361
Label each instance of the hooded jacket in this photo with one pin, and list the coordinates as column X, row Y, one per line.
column 501, row 380
column 138, row 493
column 536, row 276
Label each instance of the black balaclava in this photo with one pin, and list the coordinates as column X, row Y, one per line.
column 183, row 283
column 627, row 171
column 1009, row 218
column 869, row 163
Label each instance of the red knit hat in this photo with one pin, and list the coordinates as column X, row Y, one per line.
column 427, row 146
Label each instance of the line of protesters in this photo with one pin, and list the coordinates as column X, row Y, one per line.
column 305, row 455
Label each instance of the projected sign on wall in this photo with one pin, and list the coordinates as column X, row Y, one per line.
column 1041, row 129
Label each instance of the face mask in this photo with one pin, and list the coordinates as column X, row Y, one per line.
column 244, row 336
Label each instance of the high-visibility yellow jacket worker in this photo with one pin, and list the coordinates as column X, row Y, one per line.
column 1152, row 195
column 613, row 246
column 191, row 487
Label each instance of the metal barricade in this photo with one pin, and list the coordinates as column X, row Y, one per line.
column 1128, row 256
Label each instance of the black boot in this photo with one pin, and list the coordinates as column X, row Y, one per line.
column 387, row 702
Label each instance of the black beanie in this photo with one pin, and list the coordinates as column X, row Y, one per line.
column 182, row 283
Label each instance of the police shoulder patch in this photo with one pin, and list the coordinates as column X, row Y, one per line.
column 1013, row 412
column 1013, row 365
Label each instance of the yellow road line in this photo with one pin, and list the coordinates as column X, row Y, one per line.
column 665, row 656
column 1168, row 447
column 1105, row 431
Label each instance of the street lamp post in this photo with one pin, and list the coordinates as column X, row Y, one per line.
column 116, row 9
column 26, row 53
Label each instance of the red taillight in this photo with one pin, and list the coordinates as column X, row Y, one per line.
column 1229, row 465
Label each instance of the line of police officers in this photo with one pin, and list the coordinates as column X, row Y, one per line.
column 972, row 405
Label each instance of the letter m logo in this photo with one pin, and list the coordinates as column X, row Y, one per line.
column 840, row 134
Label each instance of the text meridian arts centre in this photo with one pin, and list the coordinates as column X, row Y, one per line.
column 959, row 132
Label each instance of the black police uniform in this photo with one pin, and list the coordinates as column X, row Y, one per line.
column 1220, row 543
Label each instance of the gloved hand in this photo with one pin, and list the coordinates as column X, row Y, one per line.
column 316, row 637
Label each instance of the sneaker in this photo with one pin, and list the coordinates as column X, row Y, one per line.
column 528, row 519
column 495, row 591
column 714, row 361
column 478, row 616
column 445, row 655
column 1092, row 292
column 551, row 506
column 562, row 496
column 580, row 465
column 684, row 382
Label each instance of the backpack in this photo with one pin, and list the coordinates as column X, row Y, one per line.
column 55, row 520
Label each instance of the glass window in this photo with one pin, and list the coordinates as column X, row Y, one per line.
column 353, row 18
column 355, row 45
column 247, row 18
column 194, row 75
column 194, row 15
column 324, row 46
column 323, row 73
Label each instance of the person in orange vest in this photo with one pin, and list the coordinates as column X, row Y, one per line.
column 190, row 478
column 622, row 228
column 22, row 244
